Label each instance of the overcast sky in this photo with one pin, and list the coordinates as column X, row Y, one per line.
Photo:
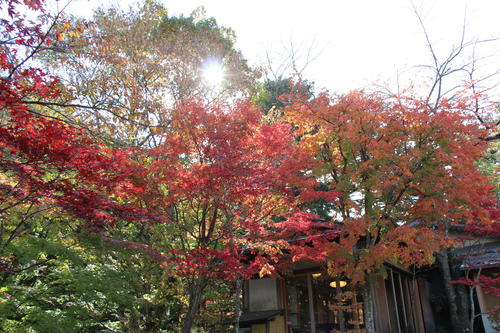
column 356, row 41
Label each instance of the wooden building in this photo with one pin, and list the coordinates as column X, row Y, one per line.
column 309, row 300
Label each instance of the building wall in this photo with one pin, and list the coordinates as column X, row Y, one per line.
column 398, row 304
column 487, row 303
column 259, row 328
column 277, row 325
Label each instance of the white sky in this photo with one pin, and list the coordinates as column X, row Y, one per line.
column 360, row 41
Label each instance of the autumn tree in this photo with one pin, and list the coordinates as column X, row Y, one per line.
column 75, row 176
column 467, row 259
column 56, row 183
column 43, row 159
column 466, row 63
column 405, row 171
column 272, row 95
column 221, row 178
column 282, row 70
column 127, row 68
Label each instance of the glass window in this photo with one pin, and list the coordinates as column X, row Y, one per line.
column 318, row 303
column 298, row 304
column 400, row 302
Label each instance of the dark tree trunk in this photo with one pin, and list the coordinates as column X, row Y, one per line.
column 369, row 305
column 472, row 314
column 237, row 304
column 195, row 294
column 464, row 304
column 457, row 322
column 462, row 293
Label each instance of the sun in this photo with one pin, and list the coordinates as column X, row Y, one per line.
column 213, row 73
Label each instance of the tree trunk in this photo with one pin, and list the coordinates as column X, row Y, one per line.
column 472, row 309
column 464, row 305
column 461, row 290
column 237, row 301
column 369, row 305
column 195, row 294
column 444, row 266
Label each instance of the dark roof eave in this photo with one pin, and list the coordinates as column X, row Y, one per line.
column 249, row 318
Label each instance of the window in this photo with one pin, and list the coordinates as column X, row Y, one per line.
column 318, row 303
column 264, row 295
column 400, row 301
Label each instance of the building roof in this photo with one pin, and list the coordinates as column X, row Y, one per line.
column 479, row 256
column 256, row 317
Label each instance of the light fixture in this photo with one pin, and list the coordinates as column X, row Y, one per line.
column 342, row 284
column 316, row 275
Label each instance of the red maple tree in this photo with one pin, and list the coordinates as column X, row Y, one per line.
column 229, row 186
column 45, row 162
column 406, row 173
